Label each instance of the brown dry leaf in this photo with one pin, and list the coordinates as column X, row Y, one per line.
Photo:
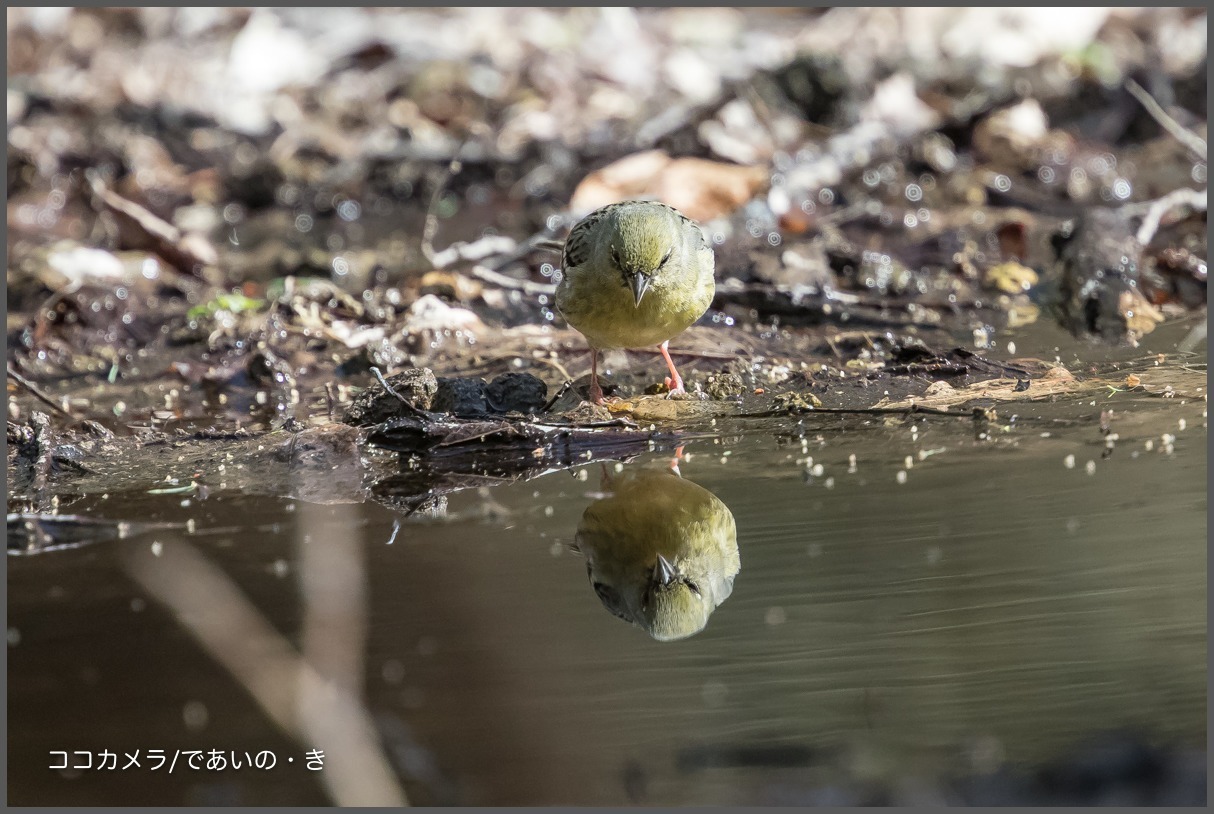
column 1140, row 316
column 451, row 284
column 1172, row 381
column 1022, row 314
column 1011, row 278
column 660, row 408
column 1168, row 382
column 1057, row 381
column 700, row 189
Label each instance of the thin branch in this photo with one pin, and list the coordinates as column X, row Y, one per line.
column 413, row 408
column 562, row 390
column 1195, row 337
column 977, row 412
column 37, row 393
column 548, row 244
column 492, row 277
column 1195, row 198
column 430, row 229
column 1189, row 139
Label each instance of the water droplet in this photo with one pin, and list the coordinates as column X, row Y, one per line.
column 195, row 715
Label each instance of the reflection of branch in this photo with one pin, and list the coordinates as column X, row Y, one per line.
column 300, row 701
column 331, row 580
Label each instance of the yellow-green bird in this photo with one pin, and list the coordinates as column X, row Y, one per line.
column 661, row 552
column 636, row 274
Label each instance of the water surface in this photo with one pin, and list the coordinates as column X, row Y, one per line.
column 995, row 607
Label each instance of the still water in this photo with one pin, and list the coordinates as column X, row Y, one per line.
column 991, row 607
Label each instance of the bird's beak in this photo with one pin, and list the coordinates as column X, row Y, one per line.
column 664, row 573
column 640, row 282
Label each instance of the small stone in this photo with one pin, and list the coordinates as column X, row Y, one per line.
column 724, row 386
column 461, row 397
column 375, row 405
column 516, row 393
column 586, row 413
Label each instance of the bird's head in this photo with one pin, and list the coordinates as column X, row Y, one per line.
column 644, row 241
column 673, row 606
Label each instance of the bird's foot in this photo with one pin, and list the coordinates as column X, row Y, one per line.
column 674, row 388
column 674, row 462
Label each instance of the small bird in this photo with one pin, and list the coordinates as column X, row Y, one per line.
column 636, row 274
column 661, row 552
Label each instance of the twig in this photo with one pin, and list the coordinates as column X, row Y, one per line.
column 487, row 246
column 492, row 277
column 430, row 229
column 612, row 422
column 418, row 411
column 1195, row 336
column 548, row 244
column 694, row 354
column 553, row 364
column 38, row 394
column 52, row 302
column 564, row 388
column 330, row 400
column 185, row 255
column 1194, row 142
column 977, row 412
column 538, row 241
column 1156, row 209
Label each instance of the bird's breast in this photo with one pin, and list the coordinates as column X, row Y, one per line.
column 603, row 308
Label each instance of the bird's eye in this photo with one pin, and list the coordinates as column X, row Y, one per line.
column 667, row 257
column 615, row 256
column 695, row 589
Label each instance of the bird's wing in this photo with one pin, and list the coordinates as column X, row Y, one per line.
column 701, row 241
column 611, row 600
column 723, row 589
column 578, row 244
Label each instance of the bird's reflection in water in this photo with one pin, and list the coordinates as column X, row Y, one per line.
column 661, row 551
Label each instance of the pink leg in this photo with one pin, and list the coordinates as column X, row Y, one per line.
column 674, row 462
column 675, row 382
column 596, row 392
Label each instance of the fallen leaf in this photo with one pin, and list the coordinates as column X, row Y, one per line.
column 1011, row 278
column 700, row 189
column 1140, row 316
column 450, row 284
column 660, row 408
